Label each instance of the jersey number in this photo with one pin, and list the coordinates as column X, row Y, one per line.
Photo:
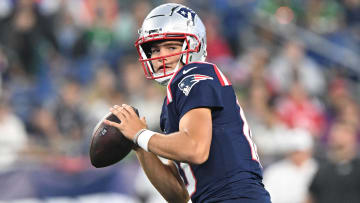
column 248, row 135
column 189, row 175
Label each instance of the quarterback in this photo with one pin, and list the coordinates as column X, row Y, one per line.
column 205, row 134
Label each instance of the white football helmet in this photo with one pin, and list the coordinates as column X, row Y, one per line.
column 171, row 22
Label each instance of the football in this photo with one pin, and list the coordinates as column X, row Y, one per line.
column 108, row 144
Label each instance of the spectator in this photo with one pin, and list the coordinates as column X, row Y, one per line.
column 26, row 28
column 352, row 12
column 102, row 93
column 298, row 110
column 288, row 180
column 70, row 119
column 338, row 177
column 147, row 98
column 13, row 138
column 43, row 128
column 342, row 105
column 129, row 19
column 269, row 131
column 217, row 49
column 292, row 64
column 324, row 16
column 251, row 68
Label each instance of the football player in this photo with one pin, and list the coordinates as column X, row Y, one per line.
column 205, row 133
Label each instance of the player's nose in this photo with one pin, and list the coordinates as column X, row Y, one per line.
column 162, row 52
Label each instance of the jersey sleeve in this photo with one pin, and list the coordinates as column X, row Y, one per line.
column 201, row 89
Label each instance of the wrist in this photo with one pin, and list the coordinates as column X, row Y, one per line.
column 135, row 139
column 142, row 138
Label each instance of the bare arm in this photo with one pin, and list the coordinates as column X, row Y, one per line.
column 164, row 177
column 190, row 144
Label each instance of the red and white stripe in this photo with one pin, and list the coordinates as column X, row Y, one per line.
column 222, row 78
column 168, row 89
column 202, row 77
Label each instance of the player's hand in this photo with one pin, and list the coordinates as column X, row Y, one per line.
column 130, row 122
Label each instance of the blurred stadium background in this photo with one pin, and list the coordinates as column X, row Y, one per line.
column 295, row 65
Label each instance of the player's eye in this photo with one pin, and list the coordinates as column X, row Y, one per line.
column 173, row 48
column 155, row 50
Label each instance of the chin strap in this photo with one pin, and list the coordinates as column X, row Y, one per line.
column 163, row 81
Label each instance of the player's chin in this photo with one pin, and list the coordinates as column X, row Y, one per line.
column 160, row 71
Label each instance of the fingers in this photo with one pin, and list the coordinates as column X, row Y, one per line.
column 130, row 123
column 123, row 112
column 118, row 112
column 111, row 123
column 126, row 110
column 129, row 109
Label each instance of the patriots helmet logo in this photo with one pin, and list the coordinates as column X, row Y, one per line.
column 189, row 81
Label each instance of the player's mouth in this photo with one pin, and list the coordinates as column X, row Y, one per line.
column 161, row 69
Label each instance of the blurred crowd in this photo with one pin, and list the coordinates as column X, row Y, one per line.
column 294, row 65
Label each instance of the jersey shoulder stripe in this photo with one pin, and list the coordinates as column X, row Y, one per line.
column 224, row 81
column 200, row 71
column 168, row 88
column 222, row 78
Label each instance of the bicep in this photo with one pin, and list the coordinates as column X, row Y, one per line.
column 191, row 143
column 197, row 124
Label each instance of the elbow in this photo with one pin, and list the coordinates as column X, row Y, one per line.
column 200, row 160
column 199, row 156
column 197, row 150
column 180, row 199
column 178, row 194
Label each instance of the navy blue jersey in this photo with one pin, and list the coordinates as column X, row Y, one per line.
column 232, row 169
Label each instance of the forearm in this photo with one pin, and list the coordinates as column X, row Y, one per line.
column 164, row 178
column 190, row 144
column 178, row 146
